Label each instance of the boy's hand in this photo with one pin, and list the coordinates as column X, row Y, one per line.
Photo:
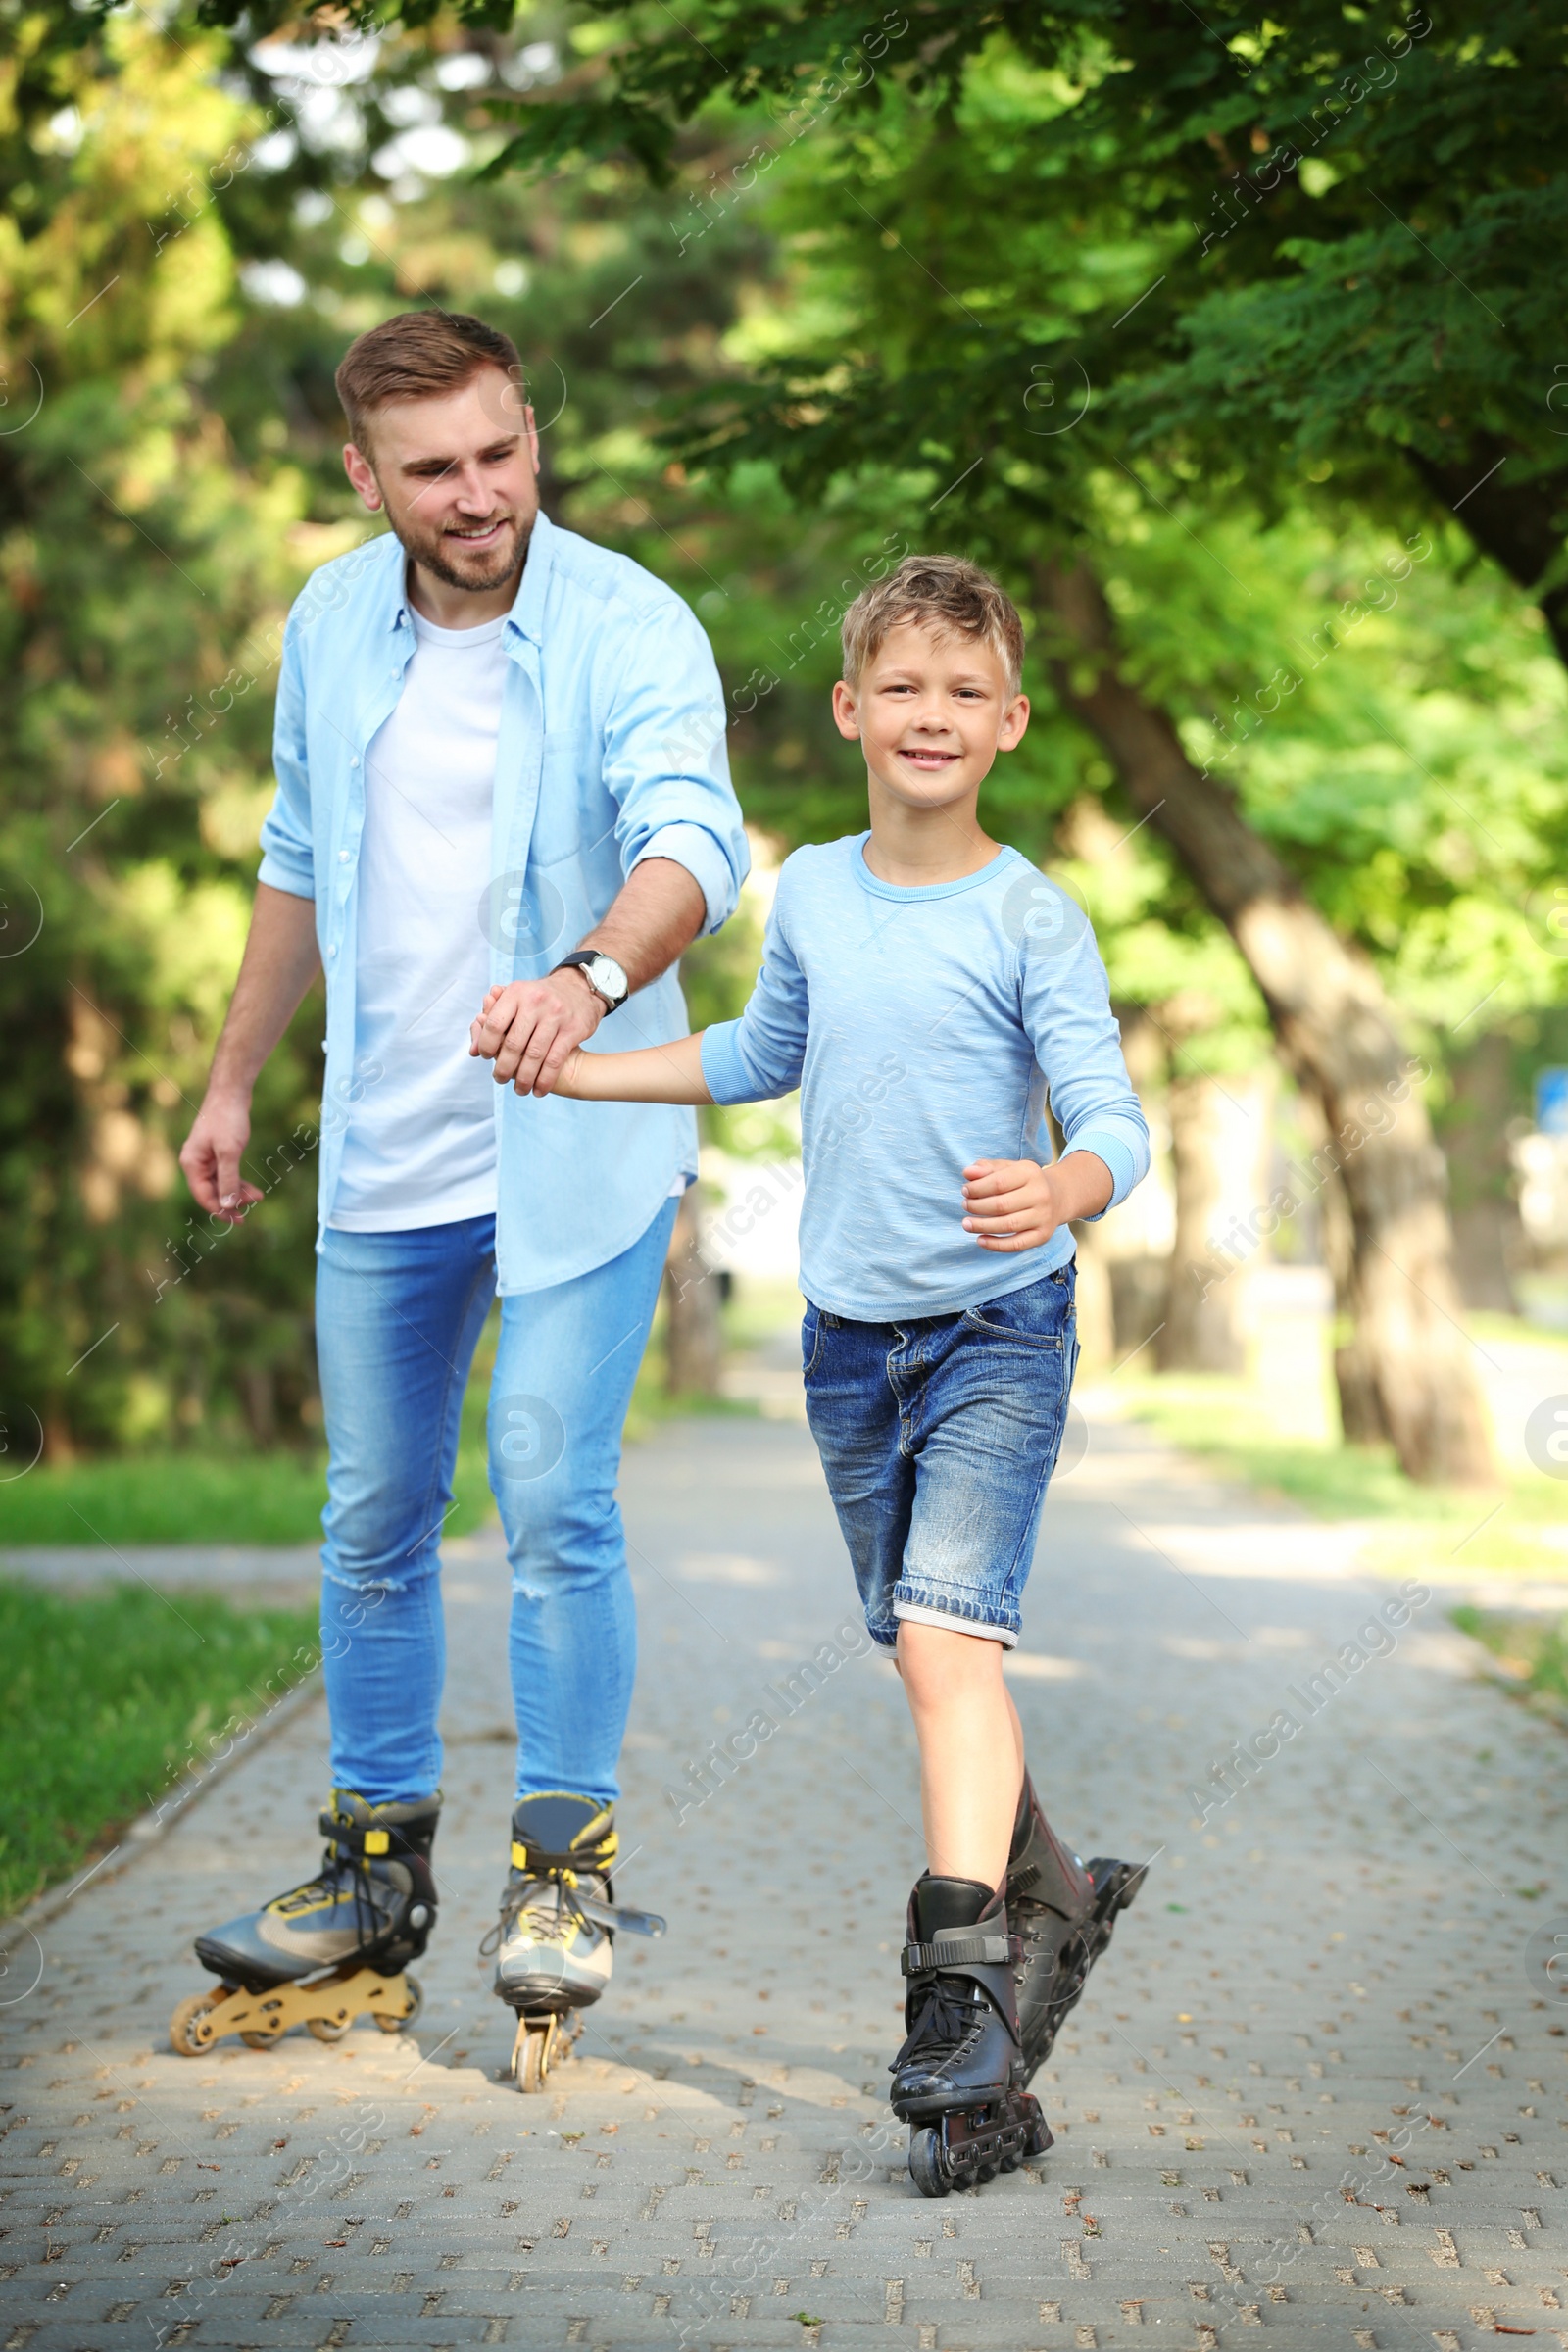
column 528, row 1028
column 1010, row 1203
column 1013, row 1204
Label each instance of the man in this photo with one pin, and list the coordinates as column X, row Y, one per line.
column 499, row 756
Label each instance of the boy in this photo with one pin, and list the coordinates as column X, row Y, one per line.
column 925, row 988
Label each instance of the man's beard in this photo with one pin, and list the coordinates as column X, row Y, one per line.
column 433, row 550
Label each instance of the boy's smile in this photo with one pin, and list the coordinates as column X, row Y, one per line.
column 931, row 709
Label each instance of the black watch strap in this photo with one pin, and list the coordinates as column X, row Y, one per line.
column 579, row 961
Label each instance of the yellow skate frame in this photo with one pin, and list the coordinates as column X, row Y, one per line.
column 327, row 2005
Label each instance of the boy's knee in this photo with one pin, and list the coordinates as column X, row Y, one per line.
column 937, row 1662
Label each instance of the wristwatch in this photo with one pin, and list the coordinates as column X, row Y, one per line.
column 603, row 974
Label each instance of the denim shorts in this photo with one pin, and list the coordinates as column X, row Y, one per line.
column 938, row 1436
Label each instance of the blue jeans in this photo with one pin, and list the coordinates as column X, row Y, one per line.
column 397, row 1319
column 938, row 1437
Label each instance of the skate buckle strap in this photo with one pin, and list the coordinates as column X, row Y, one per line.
column 954, row 1949
column 539, row 1859
column 350, row 1838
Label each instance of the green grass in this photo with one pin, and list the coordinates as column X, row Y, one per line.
column 1536, row 1648
column 1244, row 1432
column 109, row 1697
column 191, row 1497
column 242, row 1498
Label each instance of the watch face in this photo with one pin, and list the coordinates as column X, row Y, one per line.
column 608, row 978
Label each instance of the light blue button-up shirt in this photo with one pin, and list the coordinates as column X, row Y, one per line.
column 611, row 750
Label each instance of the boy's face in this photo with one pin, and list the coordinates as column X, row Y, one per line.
column 931, row 711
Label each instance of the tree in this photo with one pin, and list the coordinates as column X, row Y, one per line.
column 1042, row 166
column 193, row 228
column 144, row 576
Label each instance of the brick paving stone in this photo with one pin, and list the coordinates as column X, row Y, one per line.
column 1314, row 2090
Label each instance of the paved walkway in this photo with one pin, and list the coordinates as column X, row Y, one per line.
column 1317, row 2086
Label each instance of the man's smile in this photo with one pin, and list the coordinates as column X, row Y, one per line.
column 477, row 534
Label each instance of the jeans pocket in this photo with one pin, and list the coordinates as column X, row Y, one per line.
column 1040, row 1315
column 811, row 1339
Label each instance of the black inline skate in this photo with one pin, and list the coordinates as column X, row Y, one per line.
column 958, row 2081
column 1063, row 1912
column 330, row 1950
column 554, row 1939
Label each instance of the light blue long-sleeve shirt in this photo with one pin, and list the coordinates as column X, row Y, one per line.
column 925, row 1029
column 611, row 750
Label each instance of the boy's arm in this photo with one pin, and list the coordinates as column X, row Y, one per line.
column 1017, row 1204
column 748, row 1061
column 670, row 1073
column 1066, row 1011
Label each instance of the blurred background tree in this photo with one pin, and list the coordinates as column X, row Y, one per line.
column 985, row 215
column 794, row 297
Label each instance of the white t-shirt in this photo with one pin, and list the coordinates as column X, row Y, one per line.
column 420, row 1146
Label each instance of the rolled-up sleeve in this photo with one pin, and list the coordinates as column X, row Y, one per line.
column 666, row 761
column 288, row 858
column 1066, row 1009
column 762, row 1055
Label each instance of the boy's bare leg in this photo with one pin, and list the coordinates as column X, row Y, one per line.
column 971, row 1748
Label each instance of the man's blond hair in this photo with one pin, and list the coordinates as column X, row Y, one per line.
column 943, row 593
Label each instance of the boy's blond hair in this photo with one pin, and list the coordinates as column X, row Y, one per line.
column 945, row 593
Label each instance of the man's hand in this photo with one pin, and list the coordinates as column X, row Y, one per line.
column 280, row 962
column 211, row 1155
column 529, row 1027
column 1013, row 1204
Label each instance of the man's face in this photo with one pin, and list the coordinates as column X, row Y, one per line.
column 457, row 476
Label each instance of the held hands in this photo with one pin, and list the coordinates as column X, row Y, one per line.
column 1013, row 1204
column 531, row 1027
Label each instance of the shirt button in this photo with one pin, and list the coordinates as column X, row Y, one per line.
column 342, row 857
column 354, row 761
column 333, row 950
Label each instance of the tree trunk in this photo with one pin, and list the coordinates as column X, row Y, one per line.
column 695, row 1347
column 1475, row 1138
column 1096, row 1339
column 1335, row 1032
column 1219, row 1140
column 1361, row 1421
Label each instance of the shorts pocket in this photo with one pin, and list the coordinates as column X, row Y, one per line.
column 1040, row 1315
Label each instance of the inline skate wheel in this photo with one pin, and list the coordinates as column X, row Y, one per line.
column 927, row 2166
column 401, row 2025
column 329, row 2029
column 191, row 2028
column 532, row 2052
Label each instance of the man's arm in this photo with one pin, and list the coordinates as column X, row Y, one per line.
column 282, row 960
column 528, row 1028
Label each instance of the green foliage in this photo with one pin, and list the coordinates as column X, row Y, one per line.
column 1534, row 1649
column 180, row 481
column 886, row 253
column 143, row 575
column 110, row 1698
column 1349, row 229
